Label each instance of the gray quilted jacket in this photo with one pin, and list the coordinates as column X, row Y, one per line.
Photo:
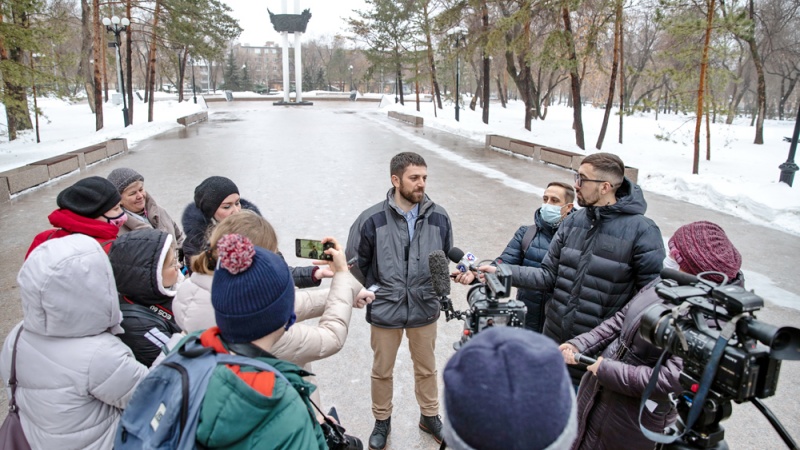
column 386, row 257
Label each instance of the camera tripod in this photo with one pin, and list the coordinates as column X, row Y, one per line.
column 707, row 433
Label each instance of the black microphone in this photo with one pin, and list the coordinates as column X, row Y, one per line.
column 440, row 275
column 583, row 359
column 464, row 261
column 682, row 278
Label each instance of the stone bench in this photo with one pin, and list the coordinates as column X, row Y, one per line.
column 25, row 177
column 17, row 180
column 538, row 152
column 407, row 118
column 201, row 116
column 59, row 165
column 90, row 155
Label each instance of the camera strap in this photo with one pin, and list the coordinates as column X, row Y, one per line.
column 702, row 392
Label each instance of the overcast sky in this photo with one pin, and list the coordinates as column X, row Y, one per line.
column 327, row 17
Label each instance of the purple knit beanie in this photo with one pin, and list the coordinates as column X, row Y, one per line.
column 702, row 247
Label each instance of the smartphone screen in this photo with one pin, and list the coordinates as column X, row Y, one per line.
column 310, row 248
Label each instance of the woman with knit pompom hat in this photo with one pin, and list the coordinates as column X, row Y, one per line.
column 91, row 207
column 253, row 298
column 611, row 390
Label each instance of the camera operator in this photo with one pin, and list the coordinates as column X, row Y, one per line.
column 529, row 246
column 611, row 390
column 601, row 255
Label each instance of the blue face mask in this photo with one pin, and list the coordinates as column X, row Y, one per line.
column 550, row 213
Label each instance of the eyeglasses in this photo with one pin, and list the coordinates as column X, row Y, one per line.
column 579, row 181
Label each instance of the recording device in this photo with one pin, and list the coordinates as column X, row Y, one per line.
column 485, row 306
column 310, row 248
column 698, row 315
column 464, row 261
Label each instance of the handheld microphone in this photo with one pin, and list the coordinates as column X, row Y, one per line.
column 440, row 276
column 583, row 359
column 464, row 262
column 682, row 278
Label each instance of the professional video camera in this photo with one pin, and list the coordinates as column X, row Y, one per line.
column 486, row 308
column 727, row 354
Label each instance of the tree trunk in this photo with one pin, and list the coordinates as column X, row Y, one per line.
column 152, row 64
column 622, row 93
column 487, row 64
column 701, row 88
column 129, row 63
column 431, row 59
column 708, row 131
column 97, row 54
column 84, row 66
column 575, row 80
column 183, row 57
column 500, row 92
column 612, row 84
column 762, row 83
column 104, row 58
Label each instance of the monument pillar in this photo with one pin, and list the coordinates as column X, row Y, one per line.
column 285, row 23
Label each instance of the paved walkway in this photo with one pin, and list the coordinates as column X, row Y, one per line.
column 311, row 171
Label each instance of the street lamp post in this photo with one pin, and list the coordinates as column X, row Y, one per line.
column 459, row 33
column 789, row 167
column 351, row 77
column 117, row 26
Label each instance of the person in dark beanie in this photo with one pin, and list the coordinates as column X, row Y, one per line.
column 611, row 390
column 147, row 274
column 215, row 199
column 91, row 207
column 142, row 210
column 253, row 299
column 508, row 389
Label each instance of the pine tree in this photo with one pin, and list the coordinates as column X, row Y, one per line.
column 231, row 80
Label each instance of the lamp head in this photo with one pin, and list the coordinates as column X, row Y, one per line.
column 115, row 20
column 125, row 22
column 106, row 21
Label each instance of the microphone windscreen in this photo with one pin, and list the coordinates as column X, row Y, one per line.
column 683, row 279
column 440, row 275
column 455, row 254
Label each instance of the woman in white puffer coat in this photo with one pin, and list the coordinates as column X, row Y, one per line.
column 74, row 376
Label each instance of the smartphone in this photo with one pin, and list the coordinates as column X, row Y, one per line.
column 310, row 248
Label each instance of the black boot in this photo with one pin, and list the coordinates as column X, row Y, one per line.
column 432, row 425
column 377, row 440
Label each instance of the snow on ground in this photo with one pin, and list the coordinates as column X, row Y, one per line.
column 740, row 179
column 66, row 126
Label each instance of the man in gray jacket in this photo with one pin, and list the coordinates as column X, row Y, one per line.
column 392, row 241
column 601, row 256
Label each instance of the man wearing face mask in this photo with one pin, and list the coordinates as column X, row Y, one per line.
column 600, row 257
column 91, row 207
column 530, row 244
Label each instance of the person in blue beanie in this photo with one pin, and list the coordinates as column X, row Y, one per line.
column 508, row 388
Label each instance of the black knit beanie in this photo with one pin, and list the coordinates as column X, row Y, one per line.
column 90, row 197
column 211, row 192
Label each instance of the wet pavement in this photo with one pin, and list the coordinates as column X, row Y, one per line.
column 312, row 170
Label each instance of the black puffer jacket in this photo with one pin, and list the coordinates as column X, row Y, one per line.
column 196, row 225
column 137, row 258
column 608, row 404
column 532, row 256
column 599, row 258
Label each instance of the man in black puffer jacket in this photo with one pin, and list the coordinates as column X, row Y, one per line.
column 601, row 256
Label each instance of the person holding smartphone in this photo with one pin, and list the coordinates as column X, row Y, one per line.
column 391, row 242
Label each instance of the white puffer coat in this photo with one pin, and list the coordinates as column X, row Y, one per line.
column 74, row 376
column 303, row 343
